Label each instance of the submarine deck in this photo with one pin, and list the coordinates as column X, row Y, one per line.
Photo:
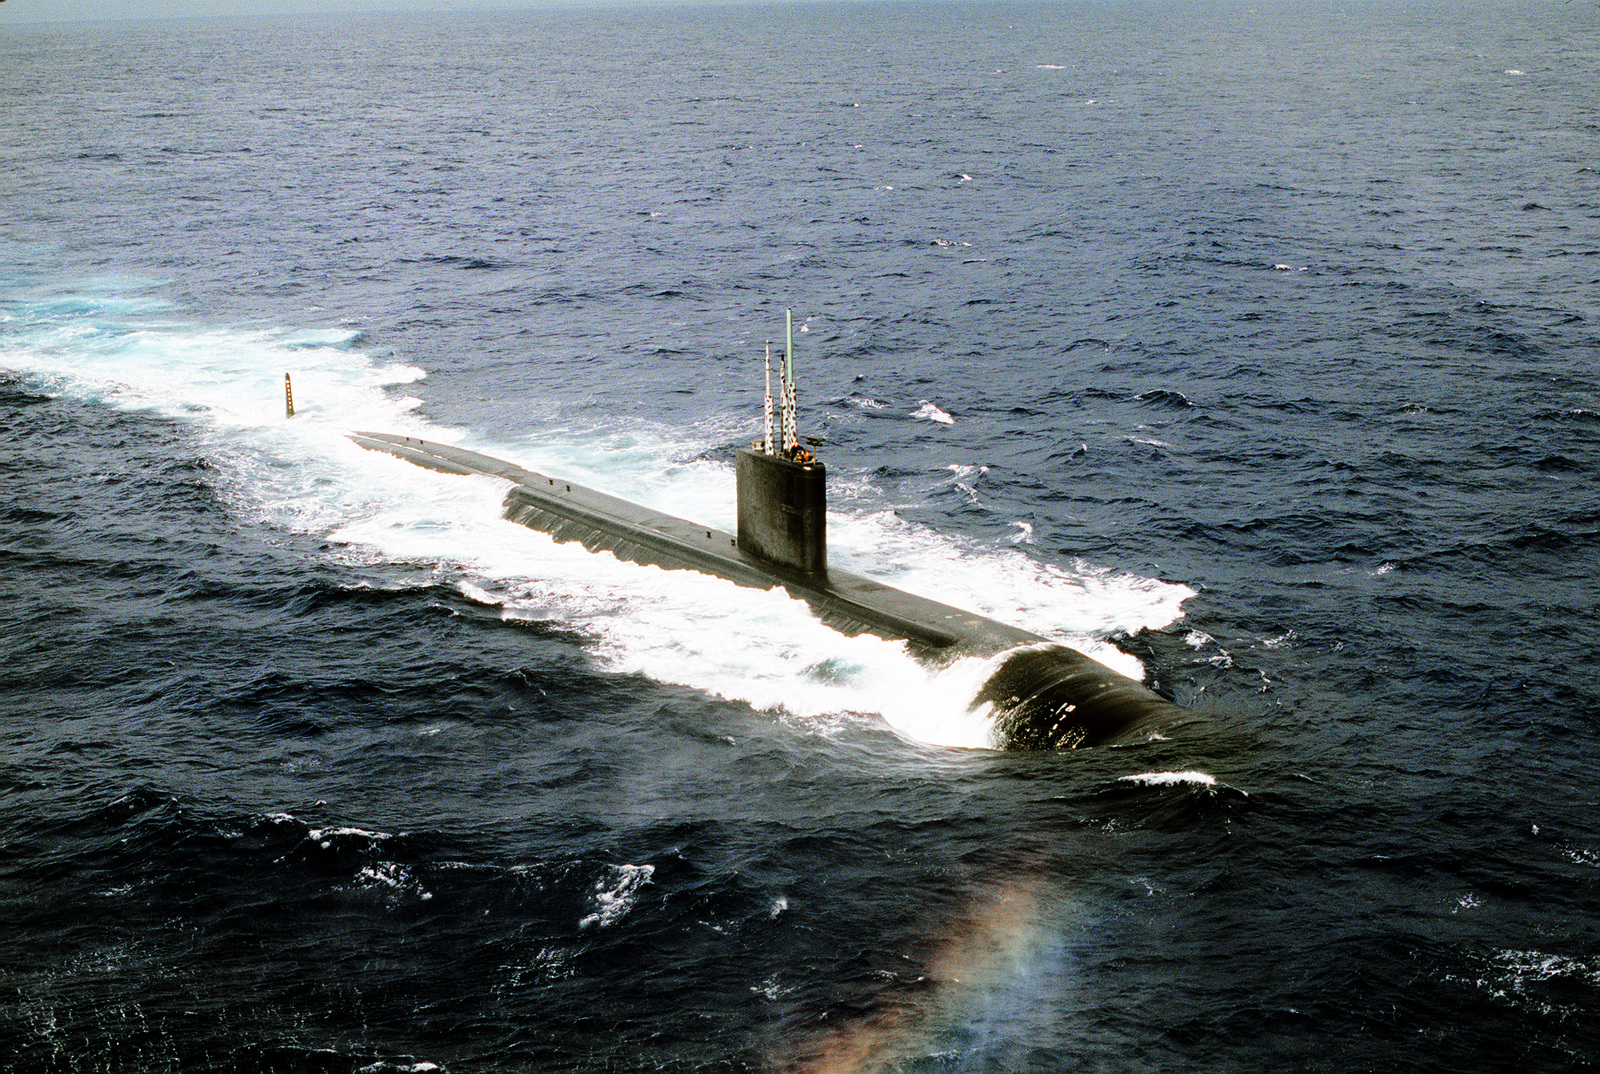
column 850, row 603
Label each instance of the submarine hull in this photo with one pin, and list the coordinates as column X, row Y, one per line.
column 1043, row 695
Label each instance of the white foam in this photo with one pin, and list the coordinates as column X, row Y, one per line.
column 616, row 894
column 388, row 874
column 1167, row 779
column 762, row 648
column 393, row 876
column 324, row 836
column 1538, row 966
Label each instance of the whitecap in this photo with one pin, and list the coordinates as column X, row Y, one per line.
column 1166, row 779
column 328, row 833
column 930, row 412
column 1537, row 966
column 770, row 989
column 479, row 595
column 615, row 895
column 387, row 874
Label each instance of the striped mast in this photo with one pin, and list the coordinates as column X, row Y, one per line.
column 766, row 443
column 788, row 430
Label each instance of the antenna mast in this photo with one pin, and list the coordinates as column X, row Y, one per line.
column 766, row 443
column 788, row 430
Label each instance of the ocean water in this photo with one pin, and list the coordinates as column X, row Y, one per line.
column 1251, row 348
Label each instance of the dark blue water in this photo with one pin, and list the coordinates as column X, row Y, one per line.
column 1252, row 349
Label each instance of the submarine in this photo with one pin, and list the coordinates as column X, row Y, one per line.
column 1043, row 695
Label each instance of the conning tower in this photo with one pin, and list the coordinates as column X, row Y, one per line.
column 782, row 487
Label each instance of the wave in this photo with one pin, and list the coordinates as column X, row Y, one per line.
column 1167, row 779
column 931, row 412
column 615, row 895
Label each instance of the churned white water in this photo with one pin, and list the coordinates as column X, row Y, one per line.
column 761, row 647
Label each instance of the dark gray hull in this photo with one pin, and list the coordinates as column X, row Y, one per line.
column 1045, row 695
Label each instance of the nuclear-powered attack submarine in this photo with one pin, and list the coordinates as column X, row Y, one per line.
column 1043, row 695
